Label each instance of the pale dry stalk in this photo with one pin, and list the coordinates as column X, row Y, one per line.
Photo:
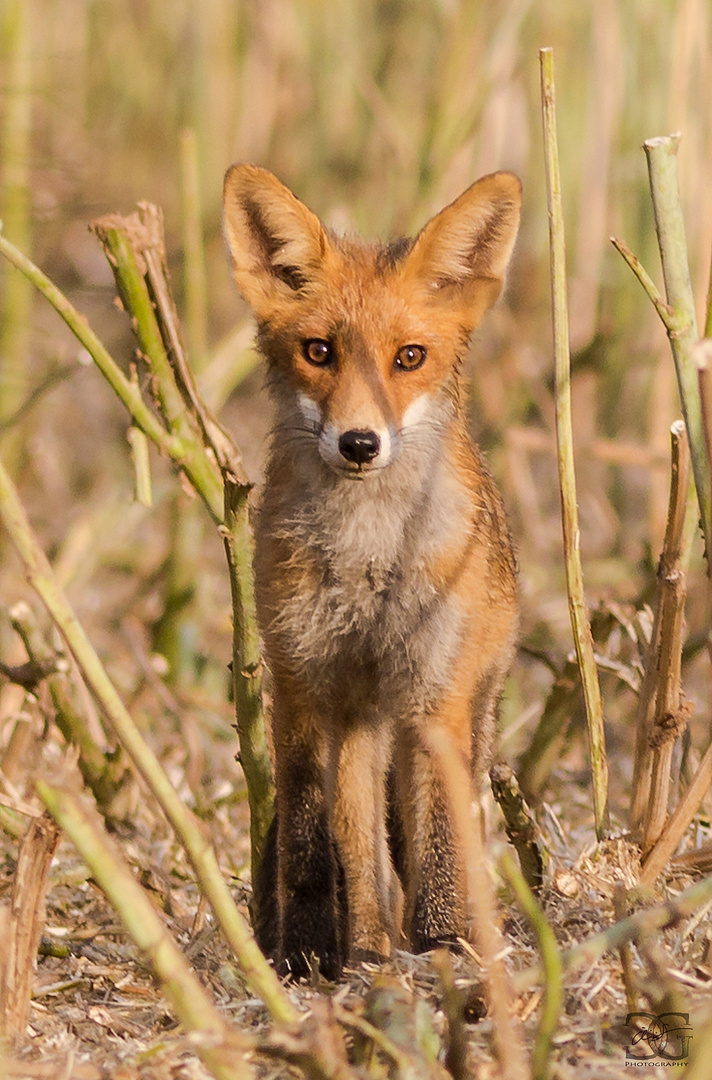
column 24, row 925
column 578, row 610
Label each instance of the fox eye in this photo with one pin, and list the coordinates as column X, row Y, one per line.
column 410, row 357
column 317, row 351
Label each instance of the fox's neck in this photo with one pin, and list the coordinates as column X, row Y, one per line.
column 379, row 520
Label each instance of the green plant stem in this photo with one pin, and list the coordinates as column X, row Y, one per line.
column 580, row 623
column 136, row 250
column 661, row 154
column 247, row 669
column 133, row 291
column 201, row 453
column 12, row 823
column 551, row 959
column 259, row 976
column 180, row 983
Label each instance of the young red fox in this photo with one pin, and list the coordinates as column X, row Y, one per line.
column 384, row 568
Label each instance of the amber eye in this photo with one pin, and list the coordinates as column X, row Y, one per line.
column 317, row 351
column 410, row 357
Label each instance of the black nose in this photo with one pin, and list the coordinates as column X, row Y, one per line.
column 359, row 446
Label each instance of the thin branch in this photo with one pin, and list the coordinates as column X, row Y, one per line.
column 665, row 312
column 56, row 375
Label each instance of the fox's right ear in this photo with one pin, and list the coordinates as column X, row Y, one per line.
column 278, row 246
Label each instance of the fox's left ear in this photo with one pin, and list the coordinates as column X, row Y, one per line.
column 276, row 243
column 462, row 253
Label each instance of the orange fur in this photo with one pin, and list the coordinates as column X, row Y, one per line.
column 384, row 569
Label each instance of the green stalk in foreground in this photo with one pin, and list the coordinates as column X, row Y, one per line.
column 258, row 974
column 551, row 959
column 578, row 610
column 180, row 983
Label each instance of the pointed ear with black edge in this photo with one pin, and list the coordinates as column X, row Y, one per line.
column 461, row 255
column 277, row 245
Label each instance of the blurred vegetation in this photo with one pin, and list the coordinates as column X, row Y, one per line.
column 375, row 113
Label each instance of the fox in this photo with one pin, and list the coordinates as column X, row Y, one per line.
column 385, row 573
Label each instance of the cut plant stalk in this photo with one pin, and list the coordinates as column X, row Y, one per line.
column 258, row 975
column 204, row 452
column 661, row 154
column 522, row 829
column 671, row 713
column 26, row 922
column 181, row 985
column 136, row 252
column 171, row 632
column 580, row 624
column 677, row 310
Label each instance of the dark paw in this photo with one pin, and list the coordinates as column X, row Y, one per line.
column 300, row 964
column 312, row 938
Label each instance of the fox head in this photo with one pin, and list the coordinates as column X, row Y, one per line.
column 364, row 339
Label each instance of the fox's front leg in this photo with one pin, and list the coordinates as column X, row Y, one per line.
column 435, row 884
column 310, row 886
column 358, row 759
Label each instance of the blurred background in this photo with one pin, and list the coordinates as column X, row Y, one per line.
column 376, row 113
